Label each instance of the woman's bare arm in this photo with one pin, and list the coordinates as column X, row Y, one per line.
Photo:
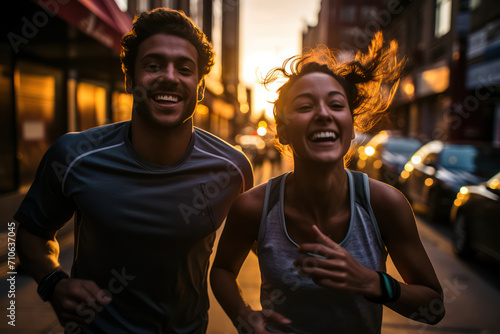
column 421, row 294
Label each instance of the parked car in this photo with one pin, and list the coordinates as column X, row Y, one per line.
column 437, row 171
column 385, row 155
column 475, row 218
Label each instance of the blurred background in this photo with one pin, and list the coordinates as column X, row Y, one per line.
column 439, row 143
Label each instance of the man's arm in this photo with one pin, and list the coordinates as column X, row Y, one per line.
column 39, row 256
column 71, row 298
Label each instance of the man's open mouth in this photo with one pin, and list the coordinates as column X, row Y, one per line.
column 163, row 98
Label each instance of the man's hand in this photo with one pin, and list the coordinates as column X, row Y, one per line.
column 78, row 301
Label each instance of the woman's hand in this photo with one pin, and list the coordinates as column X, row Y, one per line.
column 338, row 269
column 260, row 322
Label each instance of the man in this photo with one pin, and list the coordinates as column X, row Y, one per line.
column 148, row 196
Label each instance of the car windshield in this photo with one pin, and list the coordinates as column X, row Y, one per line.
column 403, row 146
column 482, row 161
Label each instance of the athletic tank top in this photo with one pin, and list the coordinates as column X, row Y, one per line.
column 312, row 308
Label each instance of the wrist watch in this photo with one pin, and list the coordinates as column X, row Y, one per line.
column 48, row 283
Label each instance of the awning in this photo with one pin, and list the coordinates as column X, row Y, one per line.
column 101, row 19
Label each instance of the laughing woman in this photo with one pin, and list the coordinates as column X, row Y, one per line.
column 323, row 233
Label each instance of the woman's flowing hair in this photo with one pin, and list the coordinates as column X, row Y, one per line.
column 369, row 79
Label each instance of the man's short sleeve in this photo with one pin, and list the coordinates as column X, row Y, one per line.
column 45, row 208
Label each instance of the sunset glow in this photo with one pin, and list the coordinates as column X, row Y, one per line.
column 267, row 39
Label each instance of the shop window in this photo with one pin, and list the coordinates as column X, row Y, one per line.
column 91, row 105
column 37, row 91
column 443, row 18
column 122, row 106
column 201, row 116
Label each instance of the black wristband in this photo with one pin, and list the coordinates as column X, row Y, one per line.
column 48, row 283
column 391, row 290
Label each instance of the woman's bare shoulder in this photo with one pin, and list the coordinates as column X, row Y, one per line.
column 382, row 194
column 249, row 204
column 243, row 220
column 392, row 210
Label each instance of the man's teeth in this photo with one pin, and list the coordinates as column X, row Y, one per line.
column 328, row 135
column 166, row 98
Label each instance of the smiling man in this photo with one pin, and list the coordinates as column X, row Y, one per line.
column 148, row 196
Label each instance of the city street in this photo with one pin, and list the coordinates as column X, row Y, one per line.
column 122, row 112
column 472, row 293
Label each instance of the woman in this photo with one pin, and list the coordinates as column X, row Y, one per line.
column 323, row 233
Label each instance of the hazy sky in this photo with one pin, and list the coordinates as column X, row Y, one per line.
column 271, row 31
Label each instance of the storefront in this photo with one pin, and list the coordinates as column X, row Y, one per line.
column 59, row 72
column 422, row 101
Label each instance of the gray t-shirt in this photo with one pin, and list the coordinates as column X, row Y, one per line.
column 312, row 308
column 143, row 232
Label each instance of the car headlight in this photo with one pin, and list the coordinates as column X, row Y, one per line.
column 369, row 151
column 462, row 197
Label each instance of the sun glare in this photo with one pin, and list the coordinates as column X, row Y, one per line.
column 266, row 42
column 259, row 64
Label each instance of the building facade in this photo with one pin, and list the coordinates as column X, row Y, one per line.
column 345, row 25
column 60, row 72
column 450, row 90
column 482, row 80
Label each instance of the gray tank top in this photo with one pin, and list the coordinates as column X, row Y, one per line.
column 312, row 308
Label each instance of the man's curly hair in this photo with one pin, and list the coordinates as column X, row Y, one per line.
column 166, row 21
